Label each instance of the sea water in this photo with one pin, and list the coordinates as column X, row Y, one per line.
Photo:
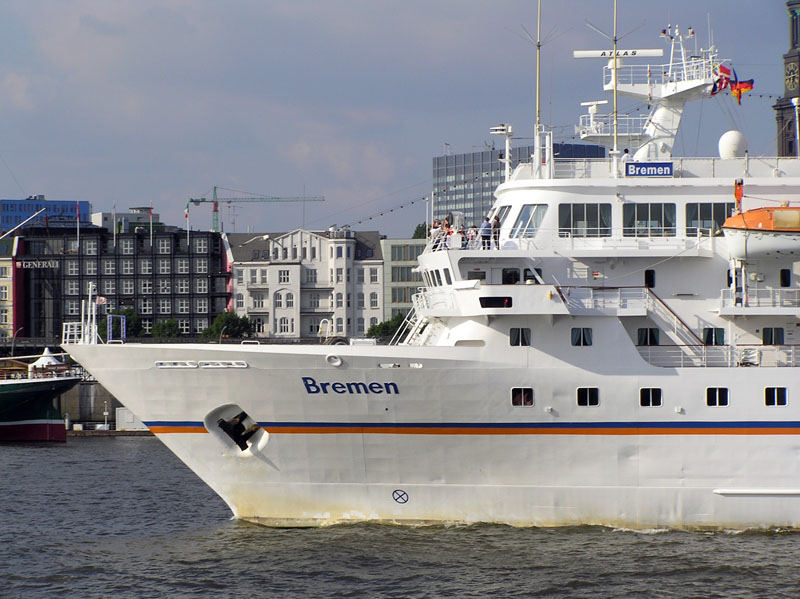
column 122, row 517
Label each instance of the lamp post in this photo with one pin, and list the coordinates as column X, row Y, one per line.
column 221, row 332
column 13, row 340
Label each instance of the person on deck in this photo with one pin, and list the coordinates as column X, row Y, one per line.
column 486, row 233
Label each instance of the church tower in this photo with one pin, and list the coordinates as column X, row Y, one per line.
column 785, row 108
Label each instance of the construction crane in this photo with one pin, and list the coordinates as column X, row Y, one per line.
column 216, row 200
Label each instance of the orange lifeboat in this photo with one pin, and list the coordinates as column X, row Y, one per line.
column 763, row 233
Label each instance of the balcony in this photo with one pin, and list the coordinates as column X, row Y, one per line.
column 720, row 356
column 760, row 302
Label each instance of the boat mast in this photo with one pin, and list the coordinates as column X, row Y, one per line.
column 538, row 66
column 615, row 151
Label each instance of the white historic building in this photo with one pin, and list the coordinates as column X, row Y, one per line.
column 290, row 285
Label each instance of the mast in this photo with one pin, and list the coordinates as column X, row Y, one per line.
column 538, row 64
column 615, row 151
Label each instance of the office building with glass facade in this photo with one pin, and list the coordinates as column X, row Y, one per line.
column 466, row 182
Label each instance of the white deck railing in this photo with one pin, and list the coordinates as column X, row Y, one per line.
column 721, row 356
column 761, row 298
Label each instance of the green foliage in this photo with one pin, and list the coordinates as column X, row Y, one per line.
column 133, row 325
column 166, row 329
column 234, row 326
column 421, row 232
column 386, row 329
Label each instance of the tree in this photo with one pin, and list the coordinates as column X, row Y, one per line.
column 385, row 330
column 233, row 326
column 166, row 329
column 133, row 325
column 421, row 232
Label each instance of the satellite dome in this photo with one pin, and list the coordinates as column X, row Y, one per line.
column 732, row 144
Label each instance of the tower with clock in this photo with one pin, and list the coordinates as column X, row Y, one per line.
column 786, row 111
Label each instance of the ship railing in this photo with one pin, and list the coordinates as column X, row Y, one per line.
column 428, row 299
column 604, row 237
column 453, row 241
column 645, row 74
column 761, row 298
column 603, row 124
column 721, row 356
column 407, row 329
column 671, row 322
column 604, row 298
column 683, row 167
column 590, row 235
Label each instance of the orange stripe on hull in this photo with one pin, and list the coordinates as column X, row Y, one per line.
column 347, row 430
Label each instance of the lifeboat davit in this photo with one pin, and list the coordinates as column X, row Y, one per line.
column 763, row 233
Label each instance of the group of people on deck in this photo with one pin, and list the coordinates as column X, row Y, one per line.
column 487, row 235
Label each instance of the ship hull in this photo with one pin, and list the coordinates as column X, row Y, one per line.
column 420, row 435
column 27, row 412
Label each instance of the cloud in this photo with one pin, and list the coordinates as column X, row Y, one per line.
column 15, row 91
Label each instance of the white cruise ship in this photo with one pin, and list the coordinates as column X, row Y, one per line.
column 626, row 354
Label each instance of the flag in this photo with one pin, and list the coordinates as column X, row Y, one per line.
column 739, row 87
column 100, row 300
column 186, row 211
column 723, row 78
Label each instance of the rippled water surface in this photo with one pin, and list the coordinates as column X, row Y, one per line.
column 122, row 517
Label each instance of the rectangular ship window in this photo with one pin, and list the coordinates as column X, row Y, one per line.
column 717, row 397
column 772, row 336
column 647, row 336
column 650, row 397
column 519, row 336
column 581, row 336
column 495, row 302
column 775, row 396
column 588, row 396
column 522, row 396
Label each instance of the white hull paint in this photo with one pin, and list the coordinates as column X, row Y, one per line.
column 615, row 468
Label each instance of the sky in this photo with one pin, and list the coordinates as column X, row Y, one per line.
column 128, row 102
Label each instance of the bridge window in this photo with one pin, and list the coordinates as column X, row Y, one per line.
column 529, row 220
column 584, row 220
column 775, row 396
column 648, row 220
column 705, row 217
column 650, row 397
column 521, row 396
column 588, row 396
column 717, row 396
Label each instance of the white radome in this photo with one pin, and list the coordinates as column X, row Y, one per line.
column 732, row 144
